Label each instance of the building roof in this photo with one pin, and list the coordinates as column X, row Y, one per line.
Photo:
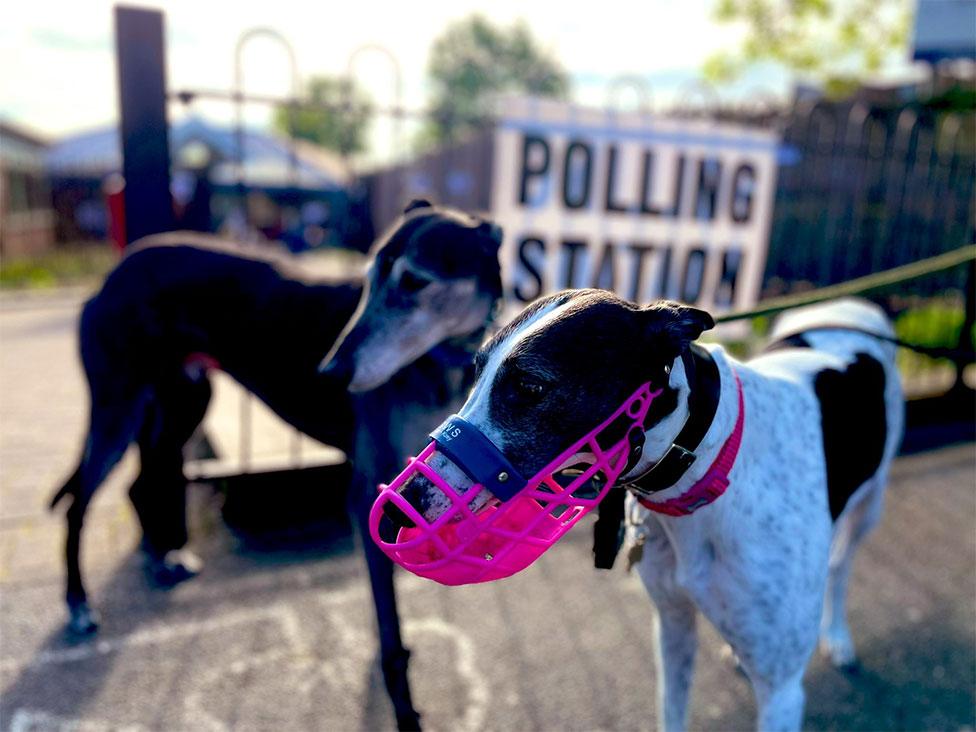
column 267, row 158
column 20, row 148
column 12, row 130
column 945, row 29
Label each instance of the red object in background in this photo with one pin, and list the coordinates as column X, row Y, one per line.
column 114, row 190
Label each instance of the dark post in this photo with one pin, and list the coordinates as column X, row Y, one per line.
column 144, row 133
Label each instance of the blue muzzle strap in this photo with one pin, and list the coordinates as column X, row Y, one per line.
column 478, row 457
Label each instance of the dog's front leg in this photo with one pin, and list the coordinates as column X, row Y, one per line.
column 780, row 704
column 677, row 642
column 675, row 619
column 394, row 656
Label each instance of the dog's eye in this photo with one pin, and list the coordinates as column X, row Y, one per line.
column 530, row 388
column 410, row 281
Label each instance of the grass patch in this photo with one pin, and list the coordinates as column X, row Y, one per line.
column 936, row 323
column 65, row 265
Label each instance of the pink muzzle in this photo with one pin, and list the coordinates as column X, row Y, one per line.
column 464, row 547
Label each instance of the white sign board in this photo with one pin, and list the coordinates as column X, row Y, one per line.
column 646, row 206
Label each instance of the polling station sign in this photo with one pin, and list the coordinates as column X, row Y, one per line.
column 646, row 206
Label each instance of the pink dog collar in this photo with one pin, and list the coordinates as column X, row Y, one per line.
column 463, row 547
column 715, row 481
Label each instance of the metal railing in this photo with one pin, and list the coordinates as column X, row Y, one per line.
column 863, row 189
column 939, row 326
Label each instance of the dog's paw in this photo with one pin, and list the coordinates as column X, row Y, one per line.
column 82, row 620
column 840, row 651
column 176, row 566
column 408, row 722
column 851, row 668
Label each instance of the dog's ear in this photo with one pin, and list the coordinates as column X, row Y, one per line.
column 679, row 324
column 417, row 203
column 494, row 231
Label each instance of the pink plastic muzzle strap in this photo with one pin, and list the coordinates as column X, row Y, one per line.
column 504, row 537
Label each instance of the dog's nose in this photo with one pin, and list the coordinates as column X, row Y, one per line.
column 414, row 492
column 337, row 370
column 395, row 514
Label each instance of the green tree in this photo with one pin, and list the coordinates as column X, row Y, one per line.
column 475, row 59
column 835, row 42
column 336, row 114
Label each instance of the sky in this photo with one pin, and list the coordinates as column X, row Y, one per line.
column 57, row 68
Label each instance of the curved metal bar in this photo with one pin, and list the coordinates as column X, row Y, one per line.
column 709, row 97
column 636, row 83
column 397, row 111
column 242, row 41
column 238, row 101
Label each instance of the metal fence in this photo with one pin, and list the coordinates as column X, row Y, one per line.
column 865, row 188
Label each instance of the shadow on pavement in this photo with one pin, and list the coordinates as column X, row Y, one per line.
column 89, row 678
column 908, row 679
column 935, row 422
column 67, row 672
column 922, row 677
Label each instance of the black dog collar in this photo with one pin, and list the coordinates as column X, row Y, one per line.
column 705, row 383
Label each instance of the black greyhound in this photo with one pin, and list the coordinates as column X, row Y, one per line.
column 179, row 303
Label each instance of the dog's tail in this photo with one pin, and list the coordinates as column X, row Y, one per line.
column 70, row 488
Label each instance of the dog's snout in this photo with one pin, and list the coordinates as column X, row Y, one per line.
column 395, row 518
column 395, row 514
column 413, row 492
column 338, row 370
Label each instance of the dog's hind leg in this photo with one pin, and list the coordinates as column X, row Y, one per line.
column 158, row 493
column 112, row 427
column 82, row 619
column 852, row 527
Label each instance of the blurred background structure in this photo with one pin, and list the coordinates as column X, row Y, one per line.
column 730, row 153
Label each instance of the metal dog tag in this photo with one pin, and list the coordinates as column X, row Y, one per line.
column 635, row 551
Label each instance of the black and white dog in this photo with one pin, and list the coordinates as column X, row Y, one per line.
column 812, row 425
column 180, row 303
